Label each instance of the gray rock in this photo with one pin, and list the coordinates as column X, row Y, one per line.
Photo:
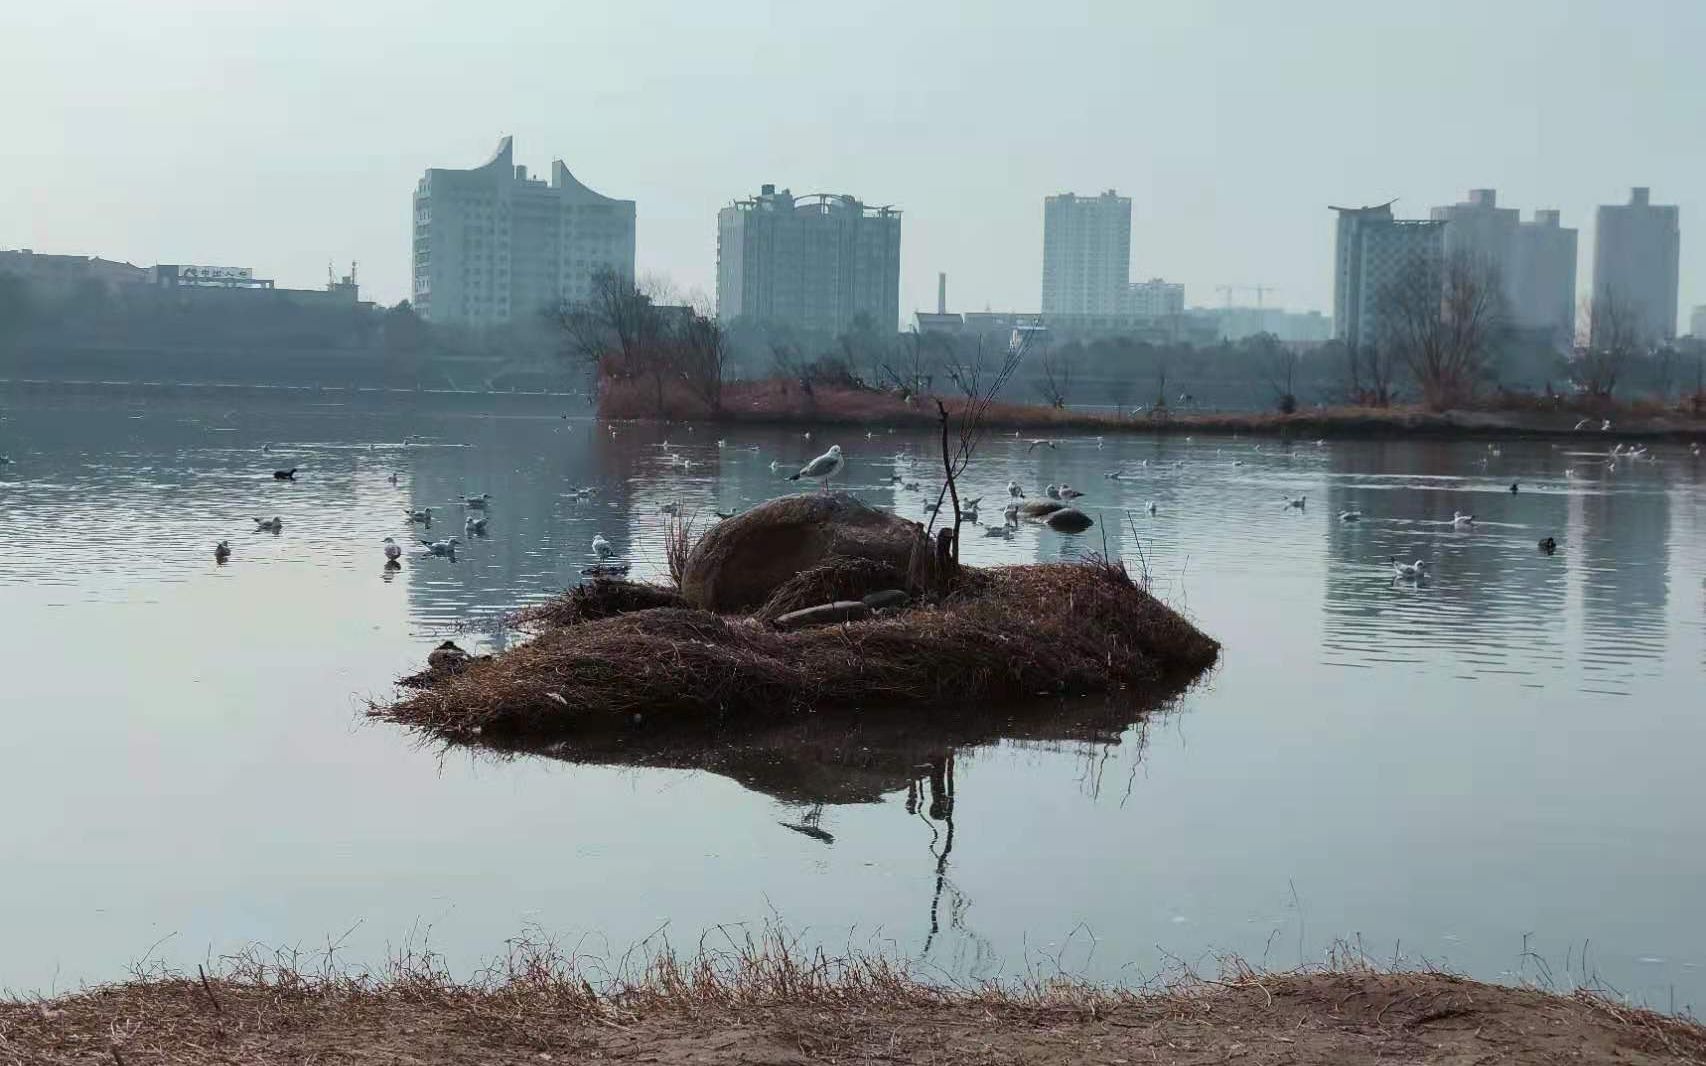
column 824, row 614
column 1068, row 520
column 882, row 598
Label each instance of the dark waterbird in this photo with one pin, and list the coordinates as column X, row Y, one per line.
column 1513, row 488
column 285, row 475
column 1548, row 545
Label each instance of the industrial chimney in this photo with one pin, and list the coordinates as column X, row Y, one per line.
column 942, row 293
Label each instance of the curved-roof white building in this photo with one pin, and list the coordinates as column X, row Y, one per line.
column 492, row 244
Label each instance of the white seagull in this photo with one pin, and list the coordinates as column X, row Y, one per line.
column 1152, row 509
column 1459, row 520
column 423, row 515
column 392, row 551
column 1350, row 516
column 274, row 524
column 445, row 548
column 1015, row 491
column 475, row 527
column 1067, row 492
column 1299, row 502
column 601, row 547
column 1409, row 571
column 1037, row 442
column 823, row 467
column 479, row 502
column 1052, row 492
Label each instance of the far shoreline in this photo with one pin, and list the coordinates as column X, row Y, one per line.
column 772, row 403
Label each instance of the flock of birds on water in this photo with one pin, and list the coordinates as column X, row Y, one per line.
column 825, row 467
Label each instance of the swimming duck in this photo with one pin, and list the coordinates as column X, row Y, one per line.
column 285, row 475
column 273, row 525
column 1299, row 502
column 222, row 552
column 393, row 478
column 1548, row 545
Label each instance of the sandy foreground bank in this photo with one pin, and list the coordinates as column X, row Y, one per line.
column 1320, row 1018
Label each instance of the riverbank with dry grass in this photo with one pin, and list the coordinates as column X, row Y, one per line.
column 774, row 402
column 766, row 1003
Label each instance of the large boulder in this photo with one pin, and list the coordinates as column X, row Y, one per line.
column 739, row 562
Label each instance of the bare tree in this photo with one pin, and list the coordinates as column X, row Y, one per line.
column 905, row 368
column 978, row 386
column 1279, row 364
column 1369, row 373
column 1613, row 338
column 619, row 332
column 1441, row 324
column 1055, row 367
column 702, row 356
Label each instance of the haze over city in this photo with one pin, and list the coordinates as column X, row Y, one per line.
column 286, row 136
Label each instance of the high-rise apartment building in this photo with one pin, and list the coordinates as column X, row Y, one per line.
column 814, row 262
column 492, row 244
column 1086, row 254
column 1697, row 322
column 1372, row 250
column 1636, row 248
column 1534, row 262
column 1543, row 278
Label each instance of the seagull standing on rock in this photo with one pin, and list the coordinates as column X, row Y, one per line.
column 601, row 547
column 823, row 467
column 1014, row 491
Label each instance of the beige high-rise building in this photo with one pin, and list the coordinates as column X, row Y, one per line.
column 1372, row 250
column 1086, row 254
column 492, row 245
column 820, row 262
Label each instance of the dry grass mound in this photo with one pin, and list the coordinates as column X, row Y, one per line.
column 1007, row 634
column 593, row 600
column 837, row 578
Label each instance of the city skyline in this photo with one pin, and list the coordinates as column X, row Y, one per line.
column 1228, row 184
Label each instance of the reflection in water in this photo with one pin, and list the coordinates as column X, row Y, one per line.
column 1509, row 746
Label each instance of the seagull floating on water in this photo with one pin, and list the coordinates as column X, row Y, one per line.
column 1409, row 571
column 1299, row 502
column 274, row 524
column 423, row 515
column 475, row 527
column 392, row 550
column 601, row 547
column 1350, row 516
column 1461, row 520
column 393, row 478
column 1037, row 442
column 1067, row 492
column 446, row 548
column 479, row 502
column 1152, row 509
column 823, row 467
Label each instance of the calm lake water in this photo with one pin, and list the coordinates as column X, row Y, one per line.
column 1509, row 756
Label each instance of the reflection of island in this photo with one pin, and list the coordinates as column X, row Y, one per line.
column 837, row 757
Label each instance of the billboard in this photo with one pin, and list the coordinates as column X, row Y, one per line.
column 216, row 273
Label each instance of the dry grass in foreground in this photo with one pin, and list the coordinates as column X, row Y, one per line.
column 765, row 1003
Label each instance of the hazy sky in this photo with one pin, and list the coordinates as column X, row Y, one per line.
column 284, row 133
